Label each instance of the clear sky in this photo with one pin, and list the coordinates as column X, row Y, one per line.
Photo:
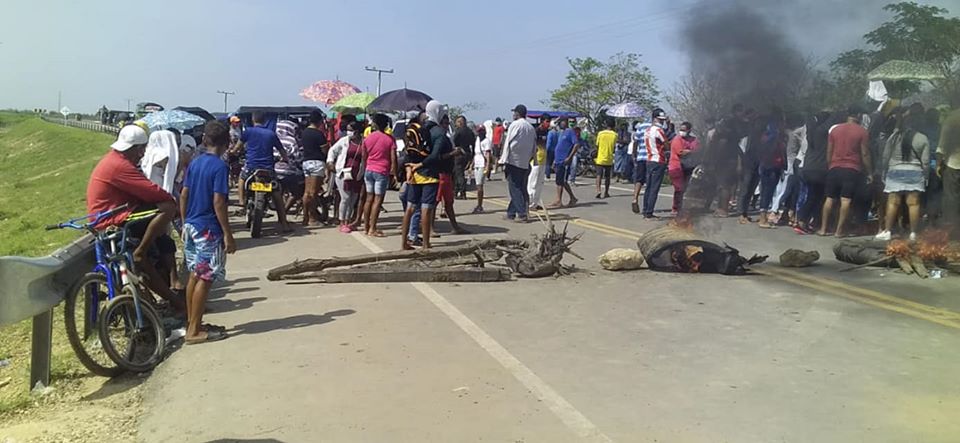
column 179, row 52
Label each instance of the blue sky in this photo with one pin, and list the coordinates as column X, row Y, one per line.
column 501, row 53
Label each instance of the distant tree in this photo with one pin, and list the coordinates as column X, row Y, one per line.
column 591, row 85
column 458, row 110
column 916, row 33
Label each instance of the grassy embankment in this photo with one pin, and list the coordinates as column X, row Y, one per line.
column 44, row 170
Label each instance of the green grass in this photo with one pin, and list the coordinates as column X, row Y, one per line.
column 44, row 170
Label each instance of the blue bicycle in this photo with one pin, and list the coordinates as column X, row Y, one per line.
column 112, row 330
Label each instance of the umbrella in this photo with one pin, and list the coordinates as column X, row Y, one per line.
column 173, row 119
column 894, row 70
column 626, row 110
column 356, row 102
column 401, row 100
column 328, row 92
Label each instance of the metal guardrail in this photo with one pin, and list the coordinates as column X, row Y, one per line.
column 32, row 287
column 82, row 124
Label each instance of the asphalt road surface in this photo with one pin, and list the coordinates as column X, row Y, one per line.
column 781, row 355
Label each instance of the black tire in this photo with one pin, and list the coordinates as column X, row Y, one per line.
column 84, row 334
column 256, row 217
column 134, row 349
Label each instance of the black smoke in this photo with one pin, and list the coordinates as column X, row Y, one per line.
column 747, row 55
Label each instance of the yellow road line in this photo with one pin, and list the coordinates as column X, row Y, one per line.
column 870, row 297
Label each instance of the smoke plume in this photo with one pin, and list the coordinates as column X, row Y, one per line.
column 748, row 58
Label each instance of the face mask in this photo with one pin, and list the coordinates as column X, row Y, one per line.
column 350, row 133
column 683, row 133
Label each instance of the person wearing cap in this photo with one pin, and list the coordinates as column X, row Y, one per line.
column 116, row 181
column 655, row 140
column 519, row 147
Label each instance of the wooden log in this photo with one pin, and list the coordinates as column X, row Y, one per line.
column 919, row 267
column 430, row 275
column 314, row 265
column 905, row 265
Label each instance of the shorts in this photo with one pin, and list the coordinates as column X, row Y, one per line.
column 376, row 182
column 314, row 168
column 245, row 173
column 843, row 183
column 204, row 253
column 162, row 245
column 904, row 180
column 479, row 175
column 605, row 171
column 561, row 170
column 425, row 195
column 445, row 190
column 640, row 172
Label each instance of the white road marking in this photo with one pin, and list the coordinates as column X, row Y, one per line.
column 569, row 415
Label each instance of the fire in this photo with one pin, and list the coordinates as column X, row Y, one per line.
column 934, row 245
column 687, row 258
column 899, row 249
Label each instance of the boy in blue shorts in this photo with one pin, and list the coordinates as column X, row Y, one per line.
column 206, row 229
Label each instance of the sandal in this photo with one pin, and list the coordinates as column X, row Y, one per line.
column 210, row 336
column 211, row 327
column 378, row 234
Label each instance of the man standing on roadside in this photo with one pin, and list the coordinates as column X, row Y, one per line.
column 498, row 131
column 518, row 149
column 552, row 138
column 538, row 167
column 206, row 230
column 639, row 157
column 848, row 151
column 606, row 144
column 656, row 141
column 566, row 150
column 948, row 167
column 463, row 139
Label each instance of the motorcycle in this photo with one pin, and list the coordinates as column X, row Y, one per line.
column 259, row 197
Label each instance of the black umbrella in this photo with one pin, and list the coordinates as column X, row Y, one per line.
column 400, row 100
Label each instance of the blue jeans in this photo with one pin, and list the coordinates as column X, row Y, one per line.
column 376, row 182
column 415, row 219
column 517, row 185
column 655, row 172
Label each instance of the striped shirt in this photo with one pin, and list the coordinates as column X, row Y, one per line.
column 639, row 144
column 655, row 140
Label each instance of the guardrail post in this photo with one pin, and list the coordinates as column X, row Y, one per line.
column 41, row 351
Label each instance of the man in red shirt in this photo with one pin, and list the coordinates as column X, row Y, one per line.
column 848, row 152
column 118, row 180
column 498, row 131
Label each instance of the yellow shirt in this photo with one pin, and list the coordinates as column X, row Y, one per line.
column 366, row 132
column 606, row 142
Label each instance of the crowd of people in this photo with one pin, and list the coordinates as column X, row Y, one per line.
column 824, row 173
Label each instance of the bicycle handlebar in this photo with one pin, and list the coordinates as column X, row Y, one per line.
column 97, row 218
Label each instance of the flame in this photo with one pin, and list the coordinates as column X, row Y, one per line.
column 687, row 258
column 899, row 249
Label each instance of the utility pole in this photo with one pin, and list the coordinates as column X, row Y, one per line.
column 59, row 104
column 380, row 73
column 225, row 95
column 128, row 104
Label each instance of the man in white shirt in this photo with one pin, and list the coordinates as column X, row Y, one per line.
column 483, row 161
column 518, row 149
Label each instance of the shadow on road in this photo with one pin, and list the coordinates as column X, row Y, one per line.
column 221, row 292
column 238, row 280
column 294, row 322
column 115, row 386
column 227, row 305
column 245, row 440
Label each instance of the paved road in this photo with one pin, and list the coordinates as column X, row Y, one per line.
column 598, row 356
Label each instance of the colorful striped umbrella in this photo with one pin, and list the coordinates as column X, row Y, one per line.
column 328, row 92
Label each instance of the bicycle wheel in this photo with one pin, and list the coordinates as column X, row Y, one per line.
column 134, row 348
column 82, row 306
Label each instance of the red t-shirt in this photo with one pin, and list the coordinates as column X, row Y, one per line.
column 114, row 182
column 497, row 134
column 678, row 144
column 846, row 139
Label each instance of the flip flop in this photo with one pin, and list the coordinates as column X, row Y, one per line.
column 210, row 336
column 211, row 327
column 378, row 234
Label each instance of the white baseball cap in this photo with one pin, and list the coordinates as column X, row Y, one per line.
column 130, row 136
